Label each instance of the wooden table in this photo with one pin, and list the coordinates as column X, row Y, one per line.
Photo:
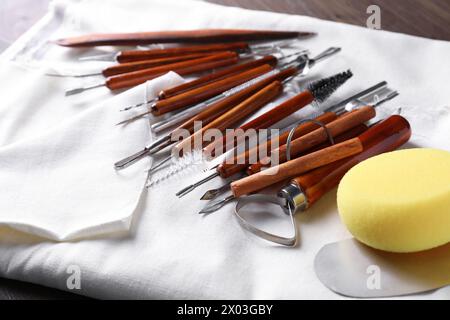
column 426, row 18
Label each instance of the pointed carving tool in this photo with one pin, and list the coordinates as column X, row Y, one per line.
column 317, row 91
column 135, row 78
column 288, row 170
column 181, row 36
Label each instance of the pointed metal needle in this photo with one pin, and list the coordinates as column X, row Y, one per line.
column 72, row 75
column 129, row 120
column 216, row 205
column 138, row 105
column 79, row 90
column 191, row 187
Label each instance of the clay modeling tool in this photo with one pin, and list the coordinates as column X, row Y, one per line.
column 306, row 189
column 317, row 91
column 333, row 128
column 144, row 54
column 290, row 169
column 212, row 112
column 181, row 36
column 231, row 98
column 135, row 78
column 215, row 76
column 303, row 63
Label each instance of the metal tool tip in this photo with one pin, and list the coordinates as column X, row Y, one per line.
column 73, row 91
column 131, row 159
column 184, row 191
column 210, row 194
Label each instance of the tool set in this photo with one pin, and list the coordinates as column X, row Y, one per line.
column 236, row 79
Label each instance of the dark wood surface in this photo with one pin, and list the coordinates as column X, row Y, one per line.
column 426, row 18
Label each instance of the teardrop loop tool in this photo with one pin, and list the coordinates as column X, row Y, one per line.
column 287, row 199
column 258, row 198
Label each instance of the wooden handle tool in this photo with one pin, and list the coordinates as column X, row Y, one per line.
column 295, row 167
column 318, row 136
column 182, row 36
column 385, row 136
column 135, row 78
column 241, row 162
column 217, row 75
column 232, row 116
column 263, row 121
column 178, row 52
column 208, row 91
column 146, row 64
column 213, row 111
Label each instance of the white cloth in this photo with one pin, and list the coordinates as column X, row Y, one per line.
column 171, row 251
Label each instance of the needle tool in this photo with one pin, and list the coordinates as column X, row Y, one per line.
column 144, row 54
column 317, row 91
column 271, row 60
column 134, row 78
column 305, row 190
column 240, row 162
column 180, row 36
column 230, row 99
column 305, row 67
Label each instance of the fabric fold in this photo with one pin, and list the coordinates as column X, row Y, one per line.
column 62, row 184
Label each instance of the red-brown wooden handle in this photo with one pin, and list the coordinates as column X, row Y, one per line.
column 182, row 36
column 296, row 167
column 232, row 116
column 318, row 136
column 145, row 64
column 385, row 136
column 220, row 107
column 217, row 75
column 239, row 162
column 208, row 91
column 139, row 55
column 263, row 121
column 135, row 78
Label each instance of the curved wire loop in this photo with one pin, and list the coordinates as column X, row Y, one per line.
column 259, row 198
column 291, row 134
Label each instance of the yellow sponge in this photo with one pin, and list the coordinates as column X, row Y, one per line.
column 398, row 201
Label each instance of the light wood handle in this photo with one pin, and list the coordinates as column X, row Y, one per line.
column 139, row 55
column 295, row 167
column 208, row 91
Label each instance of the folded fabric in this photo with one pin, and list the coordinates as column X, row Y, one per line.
column 170, row 251
column 62, row 184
